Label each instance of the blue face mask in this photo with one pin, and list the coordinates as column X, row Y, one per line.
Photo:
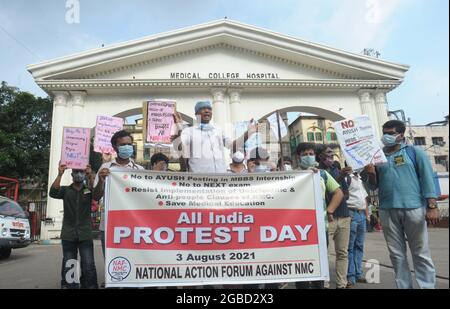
column 389, row 140
column 206, row 127
column 308, row 161
column 125, row 151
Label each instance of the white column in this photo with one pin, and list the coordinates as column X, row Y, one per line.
column 219, row 107
column 381, row 107
column 54, row 207
column 78, row 108
column 368, row 108
column 235, row 105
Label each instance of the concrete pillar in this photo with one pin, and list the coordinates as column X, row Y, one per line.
column 219, row 107
column 368, row 108
column 55, row 207
column 381, row 107
column 235, row 106
column 78, row 108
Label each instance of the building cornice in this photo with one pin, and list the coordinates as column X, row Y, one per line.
column 82, row 84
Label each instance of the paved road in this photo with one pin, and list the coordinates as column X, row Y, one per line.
column 39, row 266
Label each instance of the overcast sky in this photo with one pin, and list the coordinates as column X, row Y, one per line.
column 413, row 32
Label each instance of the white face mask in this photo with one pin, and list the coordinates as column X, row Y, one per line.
column 288, row 167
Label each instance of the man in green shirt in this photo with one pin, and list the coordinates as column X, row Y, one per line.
column 76, row 233
column 330, row 189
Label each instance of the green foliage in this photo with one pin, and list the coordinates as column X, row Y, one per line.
column 25, row 130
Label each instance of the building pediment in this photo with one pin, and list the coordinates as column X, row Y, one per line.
column 218, row 47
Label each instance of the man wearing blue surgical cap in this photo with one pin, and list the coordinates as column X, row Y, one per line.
column 202, row 145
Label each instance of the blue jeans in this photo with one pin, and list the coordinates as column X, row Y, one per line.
column 408, row 225
column 356, row 245
column 88, row 277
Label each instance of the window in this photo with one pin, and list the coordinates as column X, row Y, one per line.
column 439, row 141
column 310, row 136
column 319, row 136
column 331, row 136
column 440, row 160
column 419, row 141
column 11, row 208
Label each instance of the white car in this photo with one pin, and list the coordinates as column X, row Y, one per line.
column 14, row 227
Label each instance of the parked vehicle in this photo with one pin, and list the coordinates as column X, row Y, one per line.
column 14, row 227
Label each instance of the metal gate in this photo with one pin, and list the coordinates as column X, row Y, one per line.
column 37, row 211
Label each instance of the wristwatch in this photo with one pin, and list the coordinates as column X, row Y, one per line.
column 433, row 205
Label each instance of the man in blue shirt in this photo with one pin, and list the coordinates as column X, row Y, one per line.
column 407, row 200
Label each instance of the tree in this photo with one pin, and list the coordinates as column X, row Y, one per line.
column 25, row 130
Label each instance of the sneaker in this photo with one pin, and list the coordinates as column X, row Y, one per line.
column 349, row 285
column 326, row 285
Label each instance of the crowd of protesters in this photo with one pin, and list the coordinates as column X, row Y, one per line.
column 407, row 200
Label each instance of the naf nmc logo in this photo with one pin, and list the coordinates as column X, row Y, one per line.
column 119, row 268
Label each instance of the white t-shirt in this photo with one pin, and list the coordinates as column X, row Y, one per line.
column 112, row 166
column 357, row 194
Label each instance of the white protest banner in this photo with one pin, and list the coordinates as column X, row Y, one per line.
column 159, row 121
column 170, row 229
column 358, row 142
column 105, row 128
column 75, row 147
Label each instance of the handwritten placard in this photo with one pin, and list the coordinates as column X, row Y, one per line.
column 105, row 128
column 358, row 142
column 160, row 121
column 75, row 147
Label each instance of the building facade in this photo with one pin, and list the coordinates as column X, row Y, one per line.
column 246, row 72
column 434, row 139
column 313, row 129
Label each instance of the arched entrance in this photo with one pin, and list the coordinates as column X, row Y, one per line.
column 304, row 124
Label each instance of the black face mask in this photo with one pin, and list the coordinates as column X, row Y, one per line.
column 78, row 177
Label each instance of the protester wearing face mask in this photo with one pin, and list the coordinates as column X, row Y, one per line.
column 339, row 228
column 260, row 158
column 237, row 165
column 407, row 200
column 76, row 232
column 331, row 193
column 122, row 142
column 159, row 162
column 285, row 164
